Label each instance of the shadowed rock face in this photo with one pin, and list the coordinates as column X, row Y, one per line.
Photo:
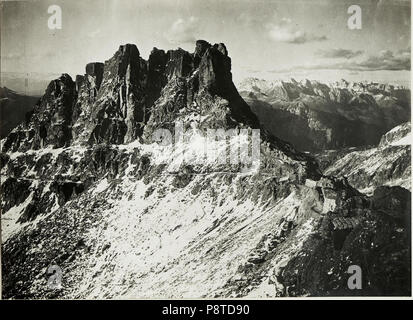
column 156, row 75
column 95, row 70
column 119, row 106
column 201, row 81
column 50, row 122
column 200, row 48
column 215, row 70
column 179, row 64
column 215, row 77
column 379, row 240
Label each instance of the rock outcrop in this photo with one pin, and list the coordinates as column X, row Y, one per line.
column 119, row 105
column 387, row 164
column 49, row 124
column 379, row 239
column 400, row 135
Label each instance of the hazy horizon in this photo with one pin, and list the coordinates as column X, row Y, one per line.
column 266, row 39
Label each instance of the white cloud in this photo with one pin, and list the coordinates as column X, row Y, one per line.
column 337, row 53
column 94, row 33
column 285, row 31
column 384, row 60
column 183, row 31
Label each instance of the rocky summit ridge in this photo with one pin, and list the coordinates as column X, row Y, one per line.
column 113, row 101
column 86, row 188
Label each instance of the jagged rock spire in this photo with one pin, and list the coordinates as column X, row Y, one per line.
column 113, row 101
column 49, row 124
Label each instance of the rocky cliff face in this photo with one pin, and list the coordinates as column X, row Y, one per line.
column 87, row 186
column 314, row 116
column 387, row 164
column 398, row 136
column 372, row 243
column 50, row 122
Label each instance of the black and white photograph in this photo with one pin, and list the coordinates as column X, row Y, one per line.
column 205, row 149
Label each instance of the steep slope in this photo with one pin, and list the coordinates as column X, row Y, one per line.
column 13, row 109
column 314, row 116
column 92, row 184
column 387, row 164
column 379, row 244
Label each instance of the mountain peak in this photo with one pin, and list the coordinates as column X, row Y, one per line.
column 113, row 101
column 131, row 209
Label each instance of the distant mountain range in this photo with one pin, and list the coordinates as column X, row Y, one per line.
column 314, row 116
column 13, row 109
column 30, row 84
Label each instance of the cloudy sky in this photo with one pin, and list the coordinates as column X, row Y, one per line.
column 270, row 39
